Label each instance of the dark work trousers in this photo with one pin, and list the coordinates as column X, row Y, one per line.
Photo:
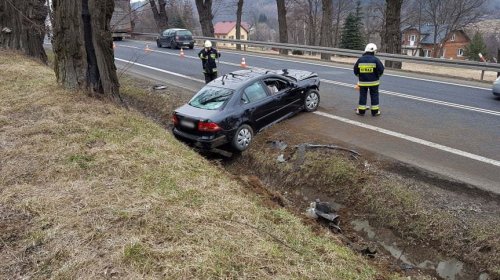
column 210, row 76
column 363, row 94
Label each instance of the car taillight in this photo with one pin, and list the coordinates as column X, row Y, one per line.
column 177, row 38
column 175, row 120
column 208, row 126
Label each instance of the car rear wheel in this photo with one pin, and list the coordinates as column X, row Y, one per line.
column 311, row 102
column 242, row 138
column 158, row 44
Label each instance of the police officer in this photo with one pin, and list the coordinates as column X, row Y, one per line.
column 208, row 55
column 369, row 69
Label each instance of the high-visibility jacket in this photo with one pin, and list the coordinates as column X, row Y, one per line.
column 369, row 69
column 208, row 58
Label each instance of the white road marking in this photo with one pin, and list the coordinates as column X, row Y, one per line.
column 160, row 70
column 345, row 68
column 359, row 124
column 411, row 139
column 422, row 99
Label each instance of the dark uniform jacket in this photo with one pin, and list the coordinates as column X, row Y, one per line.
column 369, row 69
column 208, row 60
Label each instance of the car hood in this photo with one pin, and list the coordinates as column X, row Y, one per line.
column 299, row 75
column 196, row 113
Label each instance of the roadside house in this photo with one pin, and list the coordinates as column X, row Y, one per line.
column 419, row 41
column 227, row 30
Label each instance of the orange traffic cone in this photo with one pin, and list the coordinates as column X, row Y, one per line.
column 182, row 53
column 147, row 49
column 243, row 63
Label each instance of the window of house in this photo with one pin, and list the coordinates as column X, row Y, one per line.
column 242, row 37
column 427, row 53
column 413, row 38
column 460, row 52
column 453, row 37
column 224, row 37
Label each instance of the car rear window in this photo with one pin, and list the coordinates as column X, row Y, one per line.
column 211, row 98
column 184, row 33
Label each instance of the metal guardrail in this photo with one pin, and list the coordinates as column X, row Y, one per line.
column 483, row 66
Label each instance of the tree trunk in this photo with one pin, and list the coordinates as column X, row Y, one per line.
column 239, row 11
column 160, row 16
column 83, row 46
column 392, row 33
column 205, row 13
column 22, row 27
column 326, row 27
column 498, row 60
column 283, row 32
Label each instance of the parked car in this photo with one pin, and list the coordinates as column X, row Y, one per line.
column 496, row 87
column 175, row 38
column 232, row 108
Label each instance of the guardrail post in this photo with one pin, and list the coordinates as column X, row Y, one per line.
column 482, row 75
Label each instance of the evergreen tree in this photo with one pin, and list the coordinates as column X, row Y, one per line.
column 352, row 37
column 475, row 47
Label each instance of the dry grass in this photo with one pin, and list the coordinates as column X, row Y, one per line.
column 91, row 190
column 411, row 208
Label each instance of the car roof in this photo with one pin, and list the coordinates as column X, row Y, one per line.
column 237, row 79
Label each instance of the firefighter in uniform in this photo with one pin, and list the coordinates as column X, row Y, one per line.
column 208, row 55
column 369, row 69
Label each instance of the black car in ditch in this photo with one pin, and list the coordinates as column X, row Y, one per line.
column 232, row 108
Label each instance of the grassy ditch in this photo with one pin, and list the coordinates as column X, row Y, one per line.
column 91, row 190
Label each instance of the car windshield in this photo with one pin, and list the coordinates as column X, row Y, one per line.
column 184, row 33
column 211, row 98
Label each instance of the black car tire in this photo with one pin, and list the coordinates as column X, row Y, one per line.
column 174, row 45
column 311, row 100
column 158, row 44
column 242, row 138
column 191, row 47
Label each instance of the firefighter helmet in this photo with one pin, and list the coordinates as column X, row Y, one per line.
column 371, row 47
column 208, row 44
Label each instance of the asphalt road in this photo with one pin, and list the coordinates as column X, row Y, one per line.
column 449, row 127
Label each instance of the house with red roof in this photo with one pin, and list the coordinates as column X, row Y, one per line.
column 227, row 30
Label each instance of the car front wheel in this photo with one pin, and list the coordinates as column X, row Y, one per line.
column 242, row 138
column 311, row 102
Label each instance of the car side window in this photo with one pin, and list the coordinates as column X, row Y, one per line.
column 165, row 33
column 253, row 93
column 276, row 85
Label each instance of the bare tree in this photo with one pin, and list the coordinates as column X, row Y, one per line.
column 205, row 13
column 326, row 27
column 239, row 11
column 22, row 26
column 83, row 46
column 283, row 33
column 159, row 14
column 449, row 15
column 392, row 33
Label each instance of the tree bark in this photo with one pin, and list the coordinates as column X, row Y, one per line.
column 83, row 46
column 22, row 27
column 159, row 14
column 205, row 13
column 283, row 32
column 326, row 27
column 392, row 33
column 239, row 11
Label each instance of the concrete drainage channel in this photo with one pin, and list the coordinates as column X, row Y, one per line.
column 286, row 170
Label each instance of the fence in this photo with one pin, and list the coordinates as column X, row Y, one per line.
column 482, row 66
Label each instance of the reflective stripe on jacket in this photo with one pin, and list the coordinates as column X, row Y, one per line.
column 369, row 69
column 208, row 59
